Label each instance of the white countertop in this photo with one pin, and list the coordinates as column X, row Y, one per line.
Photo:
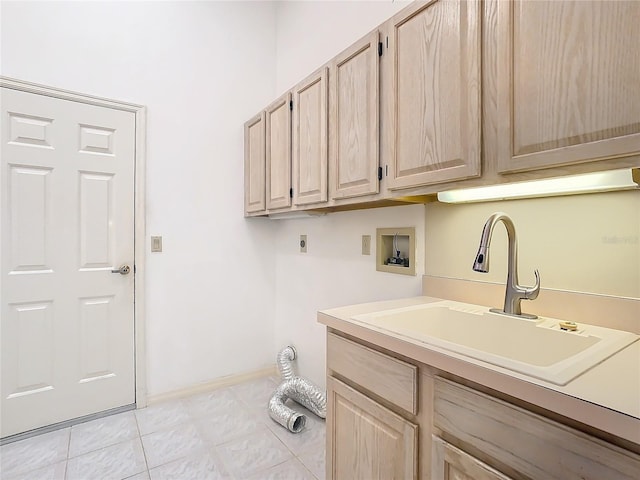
column 605, row 397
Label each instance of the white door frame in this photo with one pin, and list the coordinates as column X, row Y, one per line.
column 140, row 113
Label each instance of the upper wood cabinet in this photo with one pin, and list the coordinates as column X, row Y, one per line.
column 463, row 88
column 278, row 153
column 433, row 100
column 354, row 120
column 254, row 165
column 568, row 82
column 310, row 140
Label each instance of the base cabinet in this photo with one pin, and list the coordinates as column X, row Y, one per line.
column 369, row 440
column 431, row 427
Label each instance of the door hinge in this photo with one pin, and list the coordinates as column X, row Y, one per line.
column 291, row 105
column 291, row 193
column 379, row 173
column 379, row 49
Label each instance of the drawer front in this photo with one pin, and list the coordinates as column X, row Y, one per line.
column 388, row 377
column 529, row 444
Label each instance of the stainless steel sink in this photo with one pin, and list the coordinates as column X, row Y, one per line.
column 538, row 348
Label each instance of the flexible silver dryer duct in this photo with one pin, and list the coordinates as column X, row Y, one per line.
column 298, row 389
column 283, row 361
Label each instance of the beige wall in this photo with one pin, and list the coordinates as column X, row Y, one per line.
column 585, row 243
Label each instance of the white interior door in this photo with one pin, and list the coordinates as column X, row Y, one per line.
column 67, row 327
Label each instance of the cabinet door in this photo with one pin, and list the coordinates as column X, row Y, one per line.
column 254, row 165
column 310, row 141
column 278, row 149
column 354, row 126
column 434, row 97
column 366, row 440
column 568, row 82
column 451, row 463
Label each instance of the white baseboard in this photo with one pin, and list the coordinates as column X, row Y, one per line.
column 212, row 385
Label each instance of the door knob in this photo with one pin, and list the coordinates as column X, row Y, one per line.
column 123, row 270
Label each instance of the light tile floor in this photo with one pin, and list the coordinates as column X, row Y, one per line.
column 222, row 434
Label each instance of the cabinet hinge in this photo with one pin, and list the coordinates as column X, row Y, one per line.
column 379, row 49
column 379, row 173
column 291, row 193
column 291, row 105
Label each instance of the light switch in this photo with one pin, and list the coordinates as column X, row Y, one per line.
column 156, row 244
column 366, row 244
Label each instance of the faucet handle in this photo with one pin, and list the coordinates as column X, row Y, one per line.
column 531, row 293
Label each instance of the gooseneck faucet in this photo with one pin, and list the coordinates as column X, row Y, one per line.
column 514, row 292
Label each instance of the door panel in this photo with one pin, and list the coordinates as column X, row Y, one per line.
column 582, row 103
column 67, row 221
column 369, row 440
column 310, row 142
column 96, row 220
column 278, row 149
column 31, row 326
column 435, row 122
column 30, row 130
column 254, row 165
column 96, row 317
column 354, row 127
column 451, row 463
column 29, row 219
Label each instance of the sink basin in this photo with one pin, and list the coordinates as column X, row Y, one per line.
column 537, row 348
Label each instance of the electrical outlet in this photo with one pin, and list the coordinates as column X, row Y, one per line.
column 303, row 244
column 366, row 244
column 156, row 244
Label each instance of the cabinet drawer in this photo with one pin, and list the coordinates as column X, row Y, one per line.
column 529, row 444
column 388, row 377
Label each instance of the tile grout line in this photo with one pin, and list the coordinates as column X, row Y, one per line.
column 144, row 452
column 66, row 463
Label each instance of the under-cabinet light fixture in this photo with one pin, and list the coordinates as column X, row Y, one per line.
column 627, row 179
column 294, row 215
